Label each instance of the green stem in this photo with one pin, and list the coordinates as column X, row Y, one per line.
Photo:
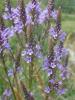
column 20, row 41
column 46, row 98
column 31, row 76
column 5, row 69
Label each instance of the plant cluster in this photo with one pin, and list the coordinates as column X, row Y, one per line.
column 38, row 50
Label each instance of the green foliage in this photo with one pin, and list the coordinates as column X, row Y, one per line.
column 66, row 5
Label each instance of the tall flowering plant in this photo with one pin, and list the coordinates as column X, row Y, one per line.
column 32, row 28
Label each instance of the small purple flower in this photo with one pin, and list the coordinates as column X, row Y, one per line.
column 30, row 6
column 28, row 59
column 53, row 33
column 7, row 46
column 23, row 53
column 15, row 13
column 18, row 27
column 37, row 8
column 60, row 82
column 10, row 72
column 58, row 52
column 7, row 92
column 38, row 47
column 47, row 90
column 4, row 35
column 54, row 14
column 52, row 81
column 38, row 54
column 37, row 51
column 62, row 36
column 43, row 16
column 15, row 18
column 49, row 72
column 62, row 91
column 29, row 20
column 29, row 51
column 6, row 9
column 64, row 74
column 32, row 9
column 0, row 50
column 8, row 32
column 65, row 52
column 7, row 16
column 53, row 65
column 45, row 64
column 60, row 66
column 19, row 69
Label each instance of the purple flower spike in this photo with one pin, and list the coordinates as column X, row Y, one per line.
column 31, row 6
column 4, row 36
